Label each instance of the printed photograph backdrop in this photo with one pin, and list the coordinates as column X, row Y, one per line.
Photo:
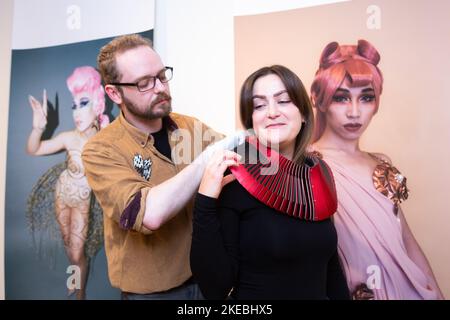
column 30, row 274
column 412, row 125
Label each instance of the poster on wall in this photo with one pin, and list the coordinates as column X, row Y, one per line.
column 54, row 225
column 378, row 73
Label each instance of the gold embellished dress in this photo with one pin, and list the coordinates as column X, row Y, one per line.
column 63, row 185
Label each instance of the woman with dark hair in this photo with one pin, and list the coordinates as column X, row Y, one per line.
column 268, row 233
column 379, row 254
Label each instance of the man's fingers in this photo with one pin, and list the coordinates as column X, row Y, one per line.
column 232, row 154
column 229, row 162
column 221, row 155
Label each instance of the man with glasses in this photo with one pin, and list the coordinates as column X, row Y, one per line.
column 144, row 190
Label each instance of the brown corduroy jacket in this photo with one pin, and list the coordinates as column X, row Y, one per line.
column 118, row 160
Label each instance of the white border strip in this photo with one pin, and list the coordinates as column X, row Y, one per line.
column 253, row 7
column 46, row 23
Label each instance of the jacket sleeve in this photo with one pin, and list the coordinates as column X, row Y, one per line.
column 119, row 189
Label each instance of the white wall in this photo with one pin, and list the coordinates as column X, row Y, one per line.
column 252, row 7
column 6, row 13
column 46, row 23
column 196, row 38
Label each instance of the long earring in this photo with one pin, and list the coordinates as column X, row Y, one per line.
column 96, row 124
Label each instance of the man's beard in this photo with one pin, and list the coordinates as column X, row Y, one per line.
column 149, row 112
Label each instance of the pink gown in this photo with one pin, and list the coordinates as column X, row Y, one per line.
column 370, row 241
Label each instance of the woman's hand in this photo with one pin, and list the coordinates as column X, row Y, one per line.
column 39, row 111
column 213, row 180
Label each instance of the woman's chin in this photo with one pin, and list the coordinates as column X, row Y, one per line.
column 351, row 136
column 270, row 139
column 82, row 129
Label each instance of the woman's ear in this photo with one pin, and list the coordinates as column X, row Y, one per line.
column 113, row 93
column 315, row 104
column 313, row 100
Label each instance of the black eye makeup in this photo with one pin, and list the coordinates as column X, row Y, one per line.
column 340, row 98
column 368, row 98
column 83, row 103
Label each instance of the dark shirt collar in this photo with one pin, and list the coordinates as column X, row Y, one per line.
column 142, row 138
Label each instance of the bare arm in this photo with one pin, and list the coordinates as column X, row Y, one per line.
column 416, row 253
column 36, row 147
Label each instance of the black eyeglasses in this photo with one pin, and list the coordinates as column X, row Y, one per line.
column 148, row 83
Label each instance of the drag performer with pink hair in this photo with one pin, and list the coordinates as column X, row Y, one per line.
column 63, row 190
column 380, row 256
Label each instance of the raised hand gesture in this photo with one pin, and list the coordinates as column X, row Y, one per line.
column 39, row 111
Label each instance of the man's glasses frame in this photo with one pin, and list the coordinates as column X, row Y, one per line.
column 165, row 75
